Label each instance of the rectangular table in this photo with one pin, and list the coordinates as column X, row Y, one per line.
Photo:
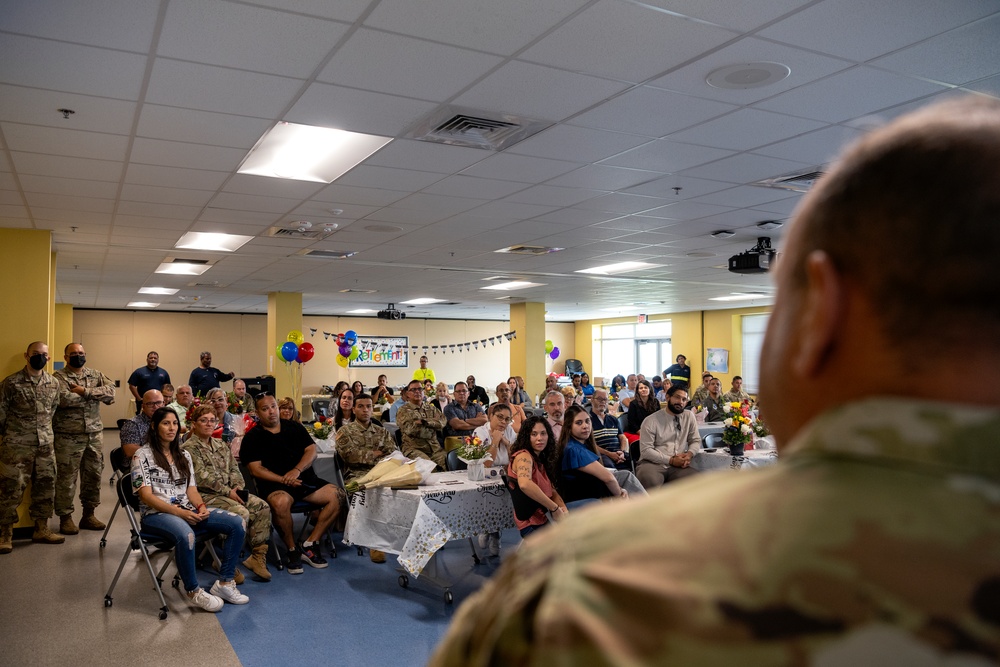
column 416, row 523
column 722, row 460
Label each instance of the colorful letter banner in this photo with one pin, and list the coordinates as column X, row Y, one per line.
column 382, row 352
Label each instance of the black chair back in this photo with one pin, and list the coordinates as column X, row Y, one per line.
column 121, row 422
column 321, row 406
column 573, row 366
column 712, row 441
column 126, row 497
column 453, row 462
column 623, row 421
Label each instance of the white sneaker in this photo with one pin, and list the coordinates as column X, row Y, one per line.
column 494, row 544
column 229, row 593
column 206, row 601
column 482, row 539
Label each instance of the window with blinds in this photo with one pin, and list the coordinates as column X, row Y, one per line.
column 753, row 327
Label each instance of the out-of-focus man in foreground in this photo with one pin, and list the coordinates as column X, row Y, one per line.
column 876, row 537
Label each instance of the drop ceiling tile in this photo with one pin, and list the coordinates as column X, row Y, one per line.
column 581, row 215
column 819, row 147
column 253, row 38
column 781, row 207
column 128, row 222
column 988, row 86
column 69, row 186
column 251, row 219
column 550, row 195
column 242, row 202
column 392, row 214
column 42, row 63
column 508, row 208
column 677, row 188
column 859, row 30
column 745, row 196
column 805, row 67
column 651, row 112
column 165, row 195
column 175, row 177
column 7, row 181
column 746, row 129
column 576, row 144
column 685, row 210
column 468, row 186
column 852, row 93
column 121, row 24
column 738, row 16
column 745, row 168
column 538, row 92
column 617, row 202
column 397, row 65
column 178, row 154
column 666, row 156
column 520, row 168
column 933, row 59
column 73, row 143
column 604, row 177
column 76, row 203
column 67, row 167
column 202, row 127
column 209, row 88
column 632, row 224
column 444, row 204
column 343, row 10
column 426, row 156
column 251, row 184
column 476, row 24
column 611, row 39
column 70, row 216
column 357, row 110
column 408, row 180
column 143, row 209
column 39, row 107
column 333, row 196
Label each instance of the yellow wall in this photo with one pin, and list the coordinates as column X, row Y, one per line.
column 63, row 335
column 693, row 333
column 26, row 300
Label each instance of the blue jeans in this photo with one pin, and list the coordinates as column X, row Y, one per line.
column 176, row 529
column 528, row 530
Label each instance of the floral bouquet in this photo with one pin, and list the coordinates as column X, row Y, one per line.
column 383, row 400
column 474, row 452
column 760, row 429
column 430, row 393
column 322, row 427
column 233, row 404
column 190, row 411
column 738, row 431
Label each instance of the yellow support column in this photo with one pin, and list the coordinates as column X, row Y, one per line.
column 284, row 314
column 527, row 351
column 63, row 328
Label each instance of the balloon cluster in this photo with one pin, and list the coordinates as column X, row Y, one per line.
column 347, row 350
column 551, row 350
column 295, row 348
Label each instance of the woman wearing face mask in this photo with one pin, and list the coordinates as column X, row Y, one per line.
column 583, row 478
column 172, row 507
column 345, row 409
column 442, row 398
column 533, row 466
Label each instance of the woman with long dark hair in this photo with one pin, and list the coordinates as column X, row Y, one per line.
column 358, row 387
column 533, row 466
column 582, row 476
column 643, row 405
column 345, row 409
column 163, row 478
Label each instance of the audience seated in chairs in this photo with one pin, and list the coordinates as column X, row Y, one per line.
column 668, row 441
column 287, row 410
column 382, row 390
column 171, row 507
column 358, row 387
column 533, row 467
column 499, row 435
column 643, row 405
column 221, row 485
column 442, row 398
column 280, row 455
column 517, row 413
column 345, row 409
column 611, row 442
column 582, row 477
column 419, row 424
column 518, row 394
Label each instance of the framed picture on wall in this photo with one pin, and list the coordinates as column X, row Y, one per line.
column 382, row 352
column 717, row 360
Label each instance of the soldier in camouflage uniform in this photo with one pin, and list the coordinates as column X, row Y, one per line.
column 361, row 444
column 701, row 393
column 736, row 394
column 875, row 539
column 28, row 398
column 419, row 423
column 220, row 483
column 79, row 437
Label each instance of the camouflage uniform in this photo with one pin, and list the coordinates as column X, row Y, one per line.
column 736, row 396
column 357, row 446
column 26, row 408
column 79, row 437
column 699, row 396
column 216, row 473
column 421, row 440
column 874, row 540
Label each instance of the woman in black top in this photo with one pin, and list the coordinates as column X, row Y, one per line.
column 643, row 405
column 345, row 409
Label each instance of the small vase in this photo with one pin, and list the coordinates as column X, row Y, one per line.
column 477, row 471
column 736, row 450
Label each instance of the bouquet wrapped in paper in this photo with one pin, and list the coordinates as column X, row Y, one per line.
column 395, row 471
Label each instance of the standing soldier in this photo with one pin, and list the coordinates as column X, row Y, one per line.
column 79, row 437
column 28, row 399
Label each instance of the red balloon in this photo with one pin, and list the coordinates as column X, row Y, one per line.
column 306, row 352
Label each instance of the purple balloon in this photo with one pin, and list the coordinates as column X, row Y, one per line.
column 554, row 353
column 345, row 350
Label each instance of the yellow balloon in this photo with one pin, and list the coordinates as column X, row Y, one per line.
column 295, row 336
column 342, row 361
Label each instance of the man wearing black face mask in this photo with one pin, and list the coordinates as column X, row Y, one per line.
column 78, row 438
column 668, row 440
column 28, row 399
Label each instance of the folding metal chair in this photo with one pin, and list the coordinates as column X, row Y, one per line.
column 117, row 460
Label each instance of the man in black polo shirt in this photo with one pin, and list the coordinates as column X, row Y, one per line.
column 147, row 377
column 679, row 372
column 205, row 378
column 280, row 454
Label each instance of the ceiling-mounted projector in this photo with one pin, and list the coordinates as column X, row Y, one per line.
column 758, row 259
column 390, row 313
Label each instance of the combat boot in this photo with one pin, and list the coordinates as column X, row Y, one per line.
column 66, row 525
column 6, row 538
column 237, row 575
column 91, row 522
column 43, row 535
column 257, row 563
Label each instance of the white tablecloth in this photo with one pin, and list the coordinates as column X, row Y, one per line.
column 721, row 460
column 416, row 523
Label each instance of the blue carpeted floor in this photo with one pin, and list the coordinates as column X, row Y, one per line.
column 353, row 612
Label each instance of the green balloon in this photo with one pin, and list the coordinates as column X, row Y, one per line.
column 548, row 346
column 277, row 352
column 354, row 353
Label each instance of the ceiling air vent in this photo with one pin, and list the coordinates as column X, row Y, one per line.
column 796, row 182
column 328, row 254
column 460, row 126
column 284, row 233
column 528, row 250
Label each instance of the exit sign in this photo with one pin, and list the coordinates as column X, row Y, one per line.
column 641, row 319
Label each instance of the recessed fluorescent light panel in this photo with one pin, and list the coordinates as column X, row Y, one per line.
column 422, row 301
column 613, row 269
column 619, row 309
column 512, row 285
column 212, row 241
column 158, row 290
column 737, row 296
column 360, row 311
column 308, row 153
column 141, row 304
column 183, row 268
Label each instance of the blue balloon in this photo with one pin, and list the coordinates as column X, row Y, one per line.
column 289, row 351
column 350, row 337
